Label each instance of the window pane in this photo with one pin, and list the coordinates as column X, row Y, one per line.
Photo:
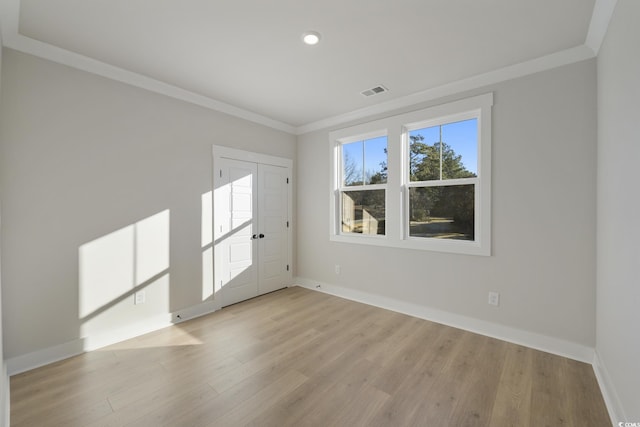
column 446, row 151
column 375, row 158
column 442, row 212
column 352, row 163
column 461, row 138
column 363, row 212
column 424, row 154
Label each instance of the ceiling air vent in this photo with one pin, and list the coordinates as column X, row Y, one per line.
column 374, row 90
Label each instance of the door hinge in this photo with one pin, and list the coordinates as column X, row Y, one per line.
column 220, row 173
column 287, row 224
column 287, row 267
column 287, row 180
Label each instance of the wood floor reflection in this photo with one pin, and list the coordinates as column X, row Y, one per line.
column 302, row 358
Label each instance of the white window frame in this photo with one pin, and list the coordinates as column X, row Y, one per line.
column 397, row 128
column 364, row 187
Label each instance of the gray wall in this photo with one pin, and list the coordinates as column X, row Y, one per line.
column 618, row 316
column 544, row 202
column 4, row 380
column 83, row 157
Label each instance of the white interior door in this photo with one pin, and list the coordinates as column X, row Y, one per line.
column 236, row 226
column 273, row 220
column 251, row 223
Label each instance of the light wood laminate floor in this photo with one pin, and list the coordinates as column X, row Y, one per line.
column 302, row 358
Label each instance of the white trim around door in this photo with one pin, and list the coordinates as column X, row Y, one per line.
column 239, row 275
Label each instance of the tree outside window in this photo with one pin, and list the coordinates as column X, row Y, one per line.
column 416, row 180
column 363, row 189
column 438, row 209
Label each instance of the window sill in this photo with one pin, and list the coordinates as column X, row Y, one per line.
column 434, row 245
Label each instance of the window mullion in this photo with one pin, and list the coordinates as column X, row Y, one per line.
column 364, row 164
column 440, row 149
column 394, row 182
column 450, row 213
column 363, row 187
column 444, row 182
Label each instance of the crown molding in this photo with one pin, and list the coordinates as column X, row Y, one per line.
column 554, row 60
column 602, row 12
column 9, row 20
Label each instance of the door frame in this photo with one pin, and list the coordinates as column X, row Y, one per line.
column 219, row 152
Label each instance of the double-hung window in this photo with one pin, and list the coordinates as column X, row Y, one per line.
column 419, row 180
column 442, row 178
column 363, row 185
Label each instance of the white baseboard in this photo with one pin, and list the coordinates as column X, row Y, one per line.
column 26, row 362
column 609, row 394
column 548, row 344
column 192, row 312
column 517, row 336
column 35, row 359
column 533, row 340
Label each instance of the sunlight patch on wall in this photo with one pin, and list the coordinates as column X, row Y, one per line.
column 152, row 246
column 117, row 266
column 107, row 268
column 207, row 218
column 207, row 273
column 207, row 245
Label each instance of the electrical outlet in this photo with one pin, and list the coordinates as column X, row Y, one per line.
column 337, row 269
column 140, row 298
column 494, row 298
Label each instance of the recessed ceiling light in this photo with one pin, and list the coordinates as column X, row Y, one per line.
column 311, row 38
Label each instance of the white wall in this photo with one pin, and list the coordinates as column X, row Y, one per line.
column 618, row 259
column 102, row 187
column 544, row 202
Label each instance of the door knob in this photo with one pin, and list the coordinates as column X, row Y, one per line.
column 255, row 236
column 261, row 236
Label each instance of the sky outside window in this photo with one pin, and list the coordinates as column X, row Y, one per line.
column 461, row 137
column 364, row 161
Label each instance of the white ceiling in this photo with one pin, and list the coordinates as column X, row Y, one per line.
column 246, row 56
